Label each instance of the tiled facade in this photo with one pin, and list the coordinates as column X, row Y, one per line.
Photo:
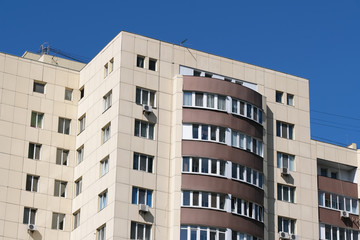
column 223, row 150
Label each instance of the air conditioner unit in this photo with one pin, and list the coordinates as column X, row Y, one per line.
column 284, row 235
column 285, row 171
column 31, row 227
column 344, row 214
column 147, row 109
column 293, row 237
column 143, row 208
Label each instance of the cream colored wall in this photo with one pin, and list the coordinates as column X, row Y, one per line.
column 96, row 86
column 17, row 102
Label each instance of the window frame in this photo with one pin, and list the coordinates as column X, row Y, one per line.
column 67, row 92
column 36, row 151
column 61, row 152
column 204, row 166
column 134, row 230
column 103, row 199
column 61, row 186
column 149, row 127
column 64, row 125
column 42, row 86
column 290, row 99
column 82, row 92
column 80, row 154
column 106, row 133
column 152, row 64
column 247, row 175
column 78, row 186
column 38, row 121
column 284, row 157
column 135, row 196
column 280, row 126
column 58, row 217
column 104, row 166
column 150, row 97
column 140, row 61
column 137, row 162
column 33, row 185
column 82, row 123
column 291, row 225
column 76, row 219
column 107, row 99
column 282, row 189
column 101, row 232
column 279, row 96
column 204, row 200
column 30, row 212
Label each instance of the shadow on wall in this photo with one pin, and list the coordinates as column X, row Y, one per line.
column 36, row 235
column 270, row 174
column 148, row 217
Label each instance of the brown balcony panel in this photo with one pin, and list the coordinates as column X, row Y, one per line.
column 223, row 152
column 212, row 85
column 222, row 185
column 332, row 217
column 337, row 186
column 212, row 218
column 205, row 116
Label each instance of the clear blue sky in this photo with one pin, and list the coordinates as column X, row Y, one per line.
column 318, row 40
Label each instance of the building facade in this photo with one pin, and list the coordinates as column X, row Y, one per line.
column 152, row 140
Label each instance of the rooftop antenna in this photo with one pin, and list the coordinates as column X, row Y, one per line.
column 182, row 42
column 46, row 49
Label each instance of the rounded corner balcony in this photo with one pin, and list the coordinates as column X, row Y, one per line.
column 222, row 96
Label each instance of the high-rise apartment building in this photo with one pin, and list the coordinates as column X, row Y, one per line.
column 152, row 140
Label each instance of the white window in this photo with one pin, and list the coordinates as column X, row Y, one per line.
column 284, row 130
column 201, row 232
column 58, row 221
column 29, row 215
column 34, row 151
column 62, row 156
column 203, row 199
column 104, row 166
column 64, row 125
column 334, row 233
column 107, row 100
column 286, row 225
column 80, row 154
column 246, row 110
column 242, row 236
column 141, row 196
column 143, row 162
column 140, row 61
column 78, row 186
column 286, row 193
column 246, row 174
column 140, row 231
column 106, row 70
column 76, row 217
column 82, row 120
column 208, row 133
column 144, row 129
column 338, row 202
column 248, row 209
column 101, row 233
column 152, row 64
column 37, row 119
column 204, row 166
column 39, row 87
column 290, row 99
column 206, row 100
column 68, row 94
column 285, row 161
column 111, row 65
column 278, row 96
column 60, row 188
column 106, row 133
column 242, row 141
column 103, row 199
column 32, row 183
column 145, row 97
